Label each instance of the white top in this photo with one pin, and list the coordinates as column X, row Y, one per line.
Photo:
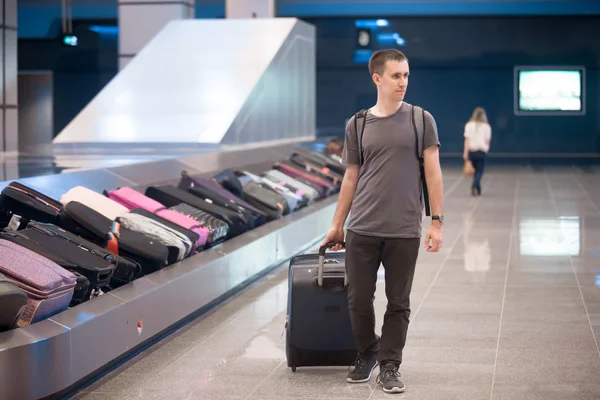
column 479, row 134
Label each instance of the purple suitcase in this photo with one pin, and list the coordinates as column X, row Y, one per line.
column 48, row 286
column 188, row 182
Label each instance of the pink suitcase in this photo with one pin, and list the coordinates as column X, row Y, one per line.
column 132, row 199
column 48, row 286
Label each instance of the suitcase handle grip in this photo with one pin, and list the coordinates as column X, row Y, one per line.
column 329, row 245
column 321, row 267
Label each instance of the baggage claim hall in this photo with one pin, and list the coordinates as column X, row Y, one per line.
column 171, row 171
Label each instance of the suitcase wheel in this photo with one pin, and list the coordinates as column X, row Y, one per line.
column 293, row 368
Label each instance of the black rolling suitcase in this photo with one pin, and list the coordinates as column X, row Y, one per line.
column 318, row 329
column 207, row 189
column 29, row 204
column 134, row 248
column 55, row 244
column 319, row 159
column 83, row 288
column 268, row 202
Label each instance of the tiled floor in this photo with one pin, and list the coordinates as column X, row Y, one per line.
column 509, row 310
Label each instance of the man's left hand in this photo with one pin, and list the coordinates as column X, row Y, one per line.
column 434, row 238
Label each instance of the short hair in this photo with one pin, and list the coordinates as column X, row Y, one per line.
column 380, row 57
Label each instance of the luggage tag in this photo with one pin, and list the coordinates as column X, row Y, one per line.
column 113, row 238
column 14, row 224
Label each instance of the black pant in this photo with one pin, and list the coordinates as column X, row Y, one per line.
column 364, row 254
column 478, row 159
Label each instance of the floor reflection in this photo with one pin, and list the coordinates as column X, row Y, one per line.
column 477, row 256
column 550, row 237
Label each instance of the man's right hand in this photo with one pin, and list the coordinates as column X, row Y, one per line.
column 334, row 235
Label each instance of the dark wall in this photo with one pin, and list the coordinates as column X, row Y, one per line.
column 458, row 63
column 79, row 72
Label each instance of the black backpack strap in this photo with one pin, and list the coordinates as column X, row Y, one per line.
column 362, row 114
column 418, row 116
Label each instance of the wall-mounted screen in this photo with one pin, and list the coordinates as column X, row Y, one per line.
column 549, row 91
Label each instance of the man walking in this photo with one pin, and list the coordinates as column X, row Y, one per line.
column 382, row 187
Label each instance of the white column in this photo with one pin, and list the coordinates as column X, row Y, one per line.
column 9, row 130
column 141, row 20
column 250, row 9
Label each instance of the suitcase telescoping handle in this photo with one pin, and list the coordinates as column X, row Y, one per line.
column 321, row 267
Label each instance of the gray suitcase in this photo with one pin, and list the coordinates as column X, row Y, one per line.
column 12, row 304
column 318, row 328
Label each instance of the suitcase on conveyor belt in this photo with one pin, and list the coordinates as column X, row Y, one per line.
column 293, row 199
column 29, row 204
column 179, row 245
column 281, row 178
column 12, row 304
column 96, row 201
column 172, row 196
column 48, row 286
column 318, row 328
column 135, row 248
column 209, row 189
column 71, row 252
column 254, row 194
column 133, row 199
column 218, row 229
column 325, row 173
column 191, row 235
column 325, row 187
column 83, row 289
column 319, row 159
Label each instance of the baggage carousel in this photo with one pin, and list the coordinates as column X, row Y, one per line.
column 53, row 357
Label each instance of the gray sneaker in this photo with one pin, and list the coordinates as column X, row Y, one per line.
column 362, row 369
column 389, row 378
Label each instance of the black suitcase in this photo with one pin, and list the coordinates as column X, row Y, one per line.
column 304, row 164
column 82, row 290
column 83, row 287
column 319, row 159
column 265, row 197
column 135, row 249
column 12, row 304
column 201, row 191
column 54, row 243
column 172, row 196
column 29, row 204
column 318, row 329
column 253, row 193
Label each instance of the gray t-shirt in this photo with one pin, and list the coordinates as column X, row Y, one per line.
column 387, row 201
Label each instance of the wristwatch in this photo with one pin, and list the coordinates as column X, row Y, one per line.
column 438, row 218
